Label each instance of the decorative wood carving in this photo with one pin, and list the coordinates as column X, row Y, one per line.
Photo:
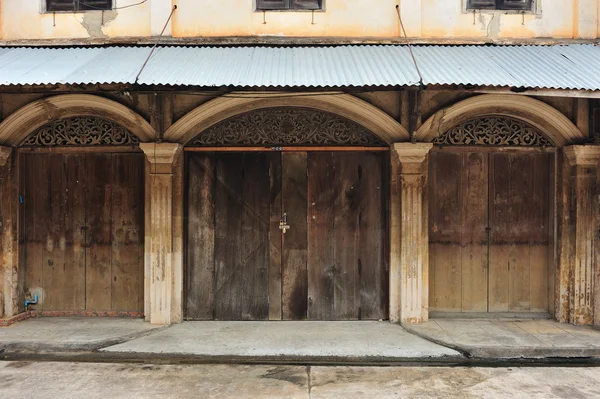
column 494, row 130
column 80, row 131
column 286, row 126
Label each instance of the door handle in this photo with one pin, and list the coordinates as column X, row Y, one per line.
column 283, row 224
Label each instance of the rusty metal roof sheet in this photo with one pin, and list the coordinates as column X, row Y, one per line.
column 574, row 67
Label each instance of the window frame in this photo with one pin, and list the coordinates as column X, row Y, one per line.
column 534, row 9
column 256, row 7
column 46, row 10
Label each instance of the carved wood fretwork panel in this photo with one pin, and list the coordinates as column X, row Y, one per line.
column 286, row 126
column 80, row 131
column 494, row 130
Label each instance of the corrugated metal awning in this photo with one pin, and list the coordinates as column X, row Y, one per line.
column 568, row 67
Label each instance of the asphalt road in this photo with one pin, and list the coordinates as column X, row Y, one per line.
column 103, row 380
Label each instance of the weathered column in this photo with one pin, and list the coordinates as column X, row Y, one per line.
column 163, row 255
column 9, row 252
column 582, row 233
column 409, row 266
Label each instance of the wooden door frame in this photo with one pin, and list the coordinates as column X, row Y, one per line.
column 76, row 150
column 386, row 197
column 287, row 149
column 554, row 188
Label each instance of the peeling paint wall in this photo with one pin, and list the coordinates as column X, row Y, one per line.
column 342, row 18
column 24, row 19
column 422, row 18
column 553, row 18
column 236, row 18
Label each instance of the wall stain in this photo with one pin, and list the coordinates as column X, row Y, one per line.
column 93, row 22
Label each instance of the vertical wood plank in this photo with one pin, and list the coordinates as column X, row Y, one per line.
column 474, row 236
column 371, row 271
column 346, row 223
column 200, row 236
column 255, row 242
column 445, row 231
column 321, row 261
column 127, row 206
column 521, row 230
column 99, row 251
column 241, row 237
column 519, row 246
column 54, row 271
column 295, row 244
column 539, row 234
column 74, row 234
column 276, row 239
column 500, row 240
column 36, row 182
column 228, row 294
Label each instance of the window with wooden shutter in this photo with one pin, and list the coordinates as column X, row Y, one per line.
column 519, row 5
column 289, row 4
column 95, row 4
column 306, row 4
column 78, row 5
column 60, row 5
column 516, row 4
column 272, row 4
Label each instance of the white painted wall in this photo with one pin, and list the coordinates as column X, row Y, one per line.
column 439, row 19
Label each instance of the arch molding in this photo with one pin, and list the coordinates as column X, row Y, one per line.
column 347, row 106
column 556, row 127
column 19, row 125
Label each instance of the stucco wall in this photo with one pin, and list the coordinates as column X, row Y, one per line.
column 341, row 18
column 553, row 18
column 24, row 19
column 440, row 19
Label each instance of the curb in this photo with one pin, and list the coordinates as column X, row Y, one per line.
column 513, row 353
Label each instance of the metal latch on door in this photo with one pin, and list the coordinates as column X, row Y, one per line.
column 283, row 224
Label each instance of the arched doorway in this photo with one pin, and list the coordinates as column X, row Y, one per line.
column 82, row 216
column 286, row 218
column 491, row 218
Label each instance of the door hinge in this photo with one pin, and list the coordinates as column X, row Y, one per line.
column 269, row 235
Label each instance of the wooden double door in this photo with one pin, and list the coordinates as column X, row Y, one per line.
column 490, row 230
column 82, row 230
column 286, row 236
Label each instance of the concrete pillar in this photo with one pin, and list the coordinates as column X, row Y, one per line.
column 9, row 251
column 409, row 266
column 163, row 263
column 585, row 277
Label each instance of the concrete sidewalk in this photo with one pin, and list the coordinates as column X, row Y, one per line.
column 298, row 341
column 68, row 334
column 440, row 341
column 512, row 339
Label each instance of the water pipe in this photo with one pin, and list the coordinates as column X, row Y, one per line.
column 31, row 302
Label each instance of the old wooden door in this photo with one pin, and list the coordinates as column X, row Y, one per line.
column 82, row 230
column 489, row 231
column 243, row 263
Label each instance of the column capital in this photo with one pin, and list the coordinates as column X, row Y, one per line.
column 161, row 156
column 583, row 155
column 4, row 154
column 411, row 156
column 412, row 152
